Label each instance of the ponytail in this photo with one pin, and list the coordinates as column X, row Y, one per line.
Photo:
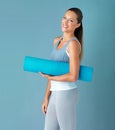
column 79, row 35
column 79, row 31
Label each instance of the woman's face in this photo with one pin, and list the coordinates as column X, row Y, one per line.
column 69, row 22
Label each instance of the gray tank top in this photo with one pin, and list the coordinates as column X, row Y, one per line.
column 61, row 54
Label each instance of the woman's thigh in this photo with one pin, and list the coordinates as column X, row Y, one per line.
column 51, row 122
column 66, row 103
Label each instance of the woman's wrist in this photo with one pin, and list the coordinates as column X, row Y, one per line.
column 46, row 98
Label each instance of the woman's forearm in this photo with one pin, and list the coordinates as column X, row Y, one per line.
column 48, row 92
column 66, row 77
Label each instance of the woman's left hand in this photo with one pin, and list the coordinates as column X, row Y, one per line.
column 45, row 75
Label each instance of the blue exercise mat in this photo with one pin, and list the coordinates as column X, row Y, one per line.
column 53, row 68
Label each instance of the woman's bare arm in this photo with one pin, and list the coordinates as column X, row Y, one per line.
column 74, row 61
column 48, row 92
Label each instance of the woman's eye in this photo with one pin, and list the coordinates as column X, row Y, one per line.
column 64, row 17
column 71, row 20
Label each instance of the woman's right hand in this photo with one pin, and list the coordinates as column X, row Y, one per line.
column 44, row 106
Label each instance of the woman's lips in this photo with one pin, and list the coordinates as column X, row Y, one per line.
column 65, row 26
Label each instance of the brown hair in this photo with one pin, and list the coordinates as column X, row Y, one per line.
column 79, row 31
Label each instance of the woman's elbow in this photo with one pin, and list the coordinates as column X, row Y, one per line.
column 74, row 78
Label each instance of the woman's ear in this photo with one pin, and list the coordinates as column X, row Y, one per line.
column 78, row 25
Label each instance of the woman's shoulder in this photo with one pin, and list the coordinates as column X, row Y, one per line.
column 56, row 39
column 75, row 44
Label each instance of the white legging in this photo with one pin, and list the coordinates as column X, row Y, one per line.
column 61, row 112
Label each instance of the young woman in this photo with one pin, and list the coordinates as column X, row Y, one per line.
column 60, row 101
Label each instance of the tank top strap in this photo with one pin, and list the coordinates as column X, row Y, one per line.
column 74, row 38
column 57, row 43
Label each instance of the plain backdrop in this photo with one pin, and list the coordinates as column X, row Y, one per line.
column 28, row 27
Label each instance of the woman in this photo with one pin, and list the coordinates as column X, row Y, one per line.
column 60, row 100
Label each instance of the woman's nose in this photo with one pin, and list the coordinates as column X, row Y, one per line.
column 65, row 21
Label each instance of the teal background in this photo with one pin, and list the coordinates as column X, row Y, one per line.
column 28, row 27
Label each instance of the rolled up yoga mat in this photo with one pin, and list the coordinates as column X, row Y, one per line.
column 53, row 68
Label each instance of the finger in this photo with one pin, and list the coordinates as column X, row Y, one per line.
column 42, row 74
column 44, row 109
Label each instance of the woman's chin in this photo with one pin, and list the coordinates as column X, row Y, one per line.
column 64, row 30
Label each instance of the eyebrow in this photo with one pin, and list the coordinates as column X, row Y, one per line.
column 70, row 18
